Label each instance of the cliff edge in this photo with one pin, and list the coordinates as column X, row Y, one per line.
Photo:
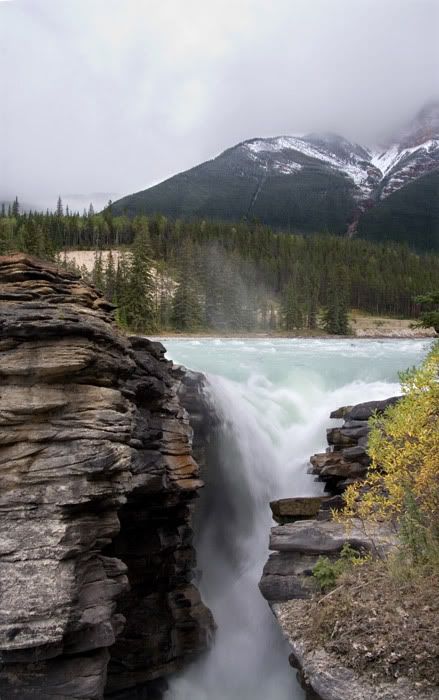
column 97, row 485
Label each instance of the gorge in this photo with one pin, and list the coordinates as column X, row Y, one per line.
column 273, row 398
column 99, row 483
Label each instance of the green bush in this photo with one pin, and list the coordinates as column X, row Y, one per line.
column 326, row 572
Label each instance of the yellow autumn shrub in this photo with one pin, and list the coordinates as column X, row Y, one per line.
column 404, row 448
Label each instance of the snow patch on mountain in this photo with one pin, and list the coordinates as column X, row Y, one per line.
column 386, row 160
column 277, row 154
column 367, row 168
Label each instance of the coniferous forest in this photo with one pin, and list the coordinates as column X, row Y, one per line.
column 186, row 276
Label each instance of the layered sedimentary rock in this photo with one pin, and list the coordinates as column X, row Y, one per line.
column 307, row 531
column 97, row 485
column 346, row 459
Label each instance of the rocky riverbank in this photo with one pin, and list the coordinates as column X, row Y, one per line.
column 306, row 531
column 98, row 484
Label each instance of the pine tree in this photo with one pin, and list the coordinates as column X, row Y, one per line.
column 312, row 311
column 139, row 300
column 186, row 307
column 212, row 275
column 335, row 316
column 291, row 311
column 59, row 208
column 429, row 317
column 164, row 291
column 15, row 208
column 121, row 287
column 6, row 235
column 110, row 277
column 97, row 274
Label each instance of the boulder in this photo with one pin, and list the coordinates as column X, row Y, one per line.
column 364, row 411
column 315, row 537
column 292, row 509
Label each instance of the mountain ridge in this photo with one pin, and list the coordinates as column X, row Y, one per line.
column 311, row 182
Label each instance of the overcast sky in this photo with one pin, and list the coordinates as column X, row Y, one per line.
column 111, row 96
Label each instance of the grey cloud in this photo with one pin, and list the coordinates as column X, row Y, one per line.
column 115, row 95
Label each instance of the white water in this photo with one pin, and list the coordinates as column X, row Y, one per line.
column 274, row 397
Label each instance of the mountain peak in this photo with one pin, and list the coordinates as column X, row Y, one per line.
column 309, row 182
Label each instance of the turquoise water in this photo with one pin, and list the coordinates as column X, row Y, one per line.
column 330, row 363
column 273, row 397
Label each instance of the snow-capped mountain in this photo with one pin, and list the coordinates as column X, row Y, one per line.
column 282, row 155
column 315, row 182
column 379, row 171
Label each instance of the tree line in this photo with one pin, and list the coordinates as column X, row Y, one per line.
column 165, row 274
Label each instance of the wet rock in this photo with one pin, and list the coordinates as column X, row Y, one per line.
column 298, row 544
column 347, row 434
column 291, row 509
column 97, row 485
column 346, row 459
column 340, row 412
column 314, row 537
column 336, row 464
column 364, row 411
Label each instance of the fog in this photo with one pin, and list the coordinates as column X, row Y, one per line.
column 105, row 97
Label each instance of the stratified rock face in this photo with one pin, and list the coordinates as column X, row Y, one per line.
column 346, row 460
column 297, row 546
column 306, row 531
column 92, row 434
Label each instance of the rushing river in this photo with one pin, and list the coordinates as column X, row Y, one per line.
column 274, row 398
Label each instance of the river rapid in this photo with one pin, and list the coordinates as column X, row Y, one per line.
column 273, row 397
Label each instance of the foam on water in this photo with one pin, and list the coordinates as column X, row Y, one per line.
column 274, row 409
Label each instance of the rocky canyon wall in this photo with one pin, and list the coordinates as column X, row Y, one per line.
column 97, row 486
column 306, row 531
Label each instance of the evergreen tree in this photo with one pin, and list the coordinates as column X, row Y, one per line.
column 6, row 235
column 110, row 277
column 121, row 287
column 429, row 317
column 335, row 316
column 313, row 310
column 139, row 300
column 59, row 208
column 291, row 312
column 98, row 272
column 241, row 270
column 186, row 308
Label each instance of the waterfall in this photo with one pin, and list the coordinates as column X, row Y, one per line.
column 273, row 416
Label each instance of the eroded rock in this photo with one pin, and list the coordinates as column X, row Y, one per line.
column 92, row 436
